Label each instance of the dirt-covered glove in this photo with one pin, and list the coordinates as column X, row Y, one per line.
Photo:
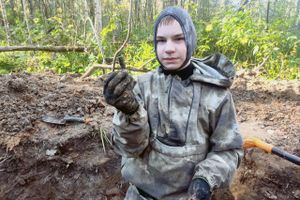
column 118, row 92
column 199, row 190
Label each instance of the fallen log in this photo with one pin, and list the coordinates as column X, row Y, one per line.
column 43, row 48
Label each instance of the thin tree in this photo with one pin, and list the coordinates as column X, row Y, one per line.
column 95, row 32
column 268, row 12
column 148, row 11
column 98, row 16
column 12, row 7
column 136, row 14
column 298, row 14
column 127, row 37
column 103, row 66
column 26, row 20
column 6, row 25
column 31, row 9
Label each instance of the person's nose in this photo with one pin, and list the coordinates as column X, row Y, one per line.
column 170, row 47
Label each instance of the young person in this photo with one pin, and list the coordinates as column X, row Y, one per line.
column 176, row 127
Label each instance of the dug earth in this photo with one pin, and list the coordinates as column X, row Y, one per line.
column 41, row 160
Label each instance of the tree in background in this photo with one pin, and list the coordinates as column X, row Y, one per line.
column 257, row 33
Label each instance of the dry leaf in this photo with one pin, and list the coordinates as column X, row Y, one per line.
column 12, row 142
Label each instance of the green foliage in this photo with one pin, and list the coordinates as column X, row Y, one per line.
column 114, row 33
column 250, row 42
column 10, row 62
column 41, row 61
column 244, row 37
column 136, row 55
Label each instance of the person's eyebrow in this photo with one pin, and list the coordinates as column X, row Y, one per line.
column 160, row 37
column 174, row 36
column 178, row 35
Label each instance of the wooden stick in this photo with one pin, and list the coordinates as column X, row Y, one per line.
column 104, row 66
column 128, row 68
column 43, row 48
column 127, row 37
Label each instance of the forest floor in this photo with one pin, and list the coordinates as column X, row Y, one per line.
column 40, row 161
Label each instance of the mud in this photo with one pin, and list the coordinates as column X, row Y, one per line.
column 269, row 110
column 46, row 161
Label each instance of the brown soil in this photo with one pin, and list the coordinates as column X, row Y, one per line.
column 269, row 110
column 39, row 160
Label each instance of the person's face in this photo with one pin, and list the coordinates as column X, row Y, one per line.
column 171, row 48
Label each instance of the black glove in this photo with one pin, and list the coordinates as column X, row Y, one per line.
column 118, row 92
column 199, row 190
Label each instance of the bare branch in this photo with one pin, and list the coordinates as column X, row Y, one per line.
column 127, row 37
column 110, row 67
column 45, row 48
column 147, row 62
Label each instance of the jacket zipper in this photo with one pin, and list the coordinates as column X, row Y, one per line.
column 169, row 105
column 169, row 95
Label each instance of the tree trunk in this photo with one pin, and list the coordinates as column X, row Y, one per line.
column 95, row 33
column 243, row 4
column 298, row 14
column 180, row 3
column 203, row 9
column 26, row 20
column 85, row 19
column 98, row 16
column 6, row 25
column 148, row 12
column 12, row 7
column 31, row 9
column 44, row 9
column 136, row 18
column 268, row 12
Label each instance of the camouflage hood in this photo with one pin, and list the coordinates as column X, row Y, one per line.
column 186, row 24
column 215, row 69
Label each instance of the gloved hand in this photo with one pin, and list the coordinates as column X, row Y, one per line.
column 118, row 92
column 199, row 190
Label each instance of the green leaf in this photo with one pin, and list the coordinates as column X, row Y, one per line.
column 255, row 49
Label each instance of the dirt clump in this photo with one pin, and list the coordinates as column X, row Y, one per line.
column 39, row 160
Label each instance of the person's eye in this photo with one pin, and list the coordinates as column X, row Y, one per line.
column 160, row 40
column 179, row 39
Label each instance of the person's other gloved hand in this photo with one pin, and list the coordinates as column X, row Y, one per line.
column 118, row 92
column 199, row 190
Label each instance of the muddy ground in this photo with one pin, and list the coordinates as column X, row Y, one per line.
column 39, row 160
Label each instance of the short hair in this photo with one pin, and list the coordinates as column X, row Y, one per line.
column 166, row 20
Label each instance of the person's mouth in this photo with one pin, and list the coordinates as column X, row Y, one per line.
column 170, row 60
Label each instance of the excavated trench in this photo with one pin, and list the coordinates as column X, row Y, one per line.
column 39, row 160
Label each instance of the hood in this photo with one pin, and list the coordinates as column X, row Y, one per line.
column 186, row 24
column 215, row 69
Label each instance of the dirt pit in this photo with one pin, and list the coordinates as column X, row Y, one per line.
column 40, row 160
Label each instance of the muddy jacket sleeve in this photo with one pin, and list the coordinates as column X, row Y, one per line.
column 226, row 146
column 130, row 133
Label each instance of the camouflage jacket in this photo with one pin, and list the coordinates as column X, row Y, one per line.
column 199, row 113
